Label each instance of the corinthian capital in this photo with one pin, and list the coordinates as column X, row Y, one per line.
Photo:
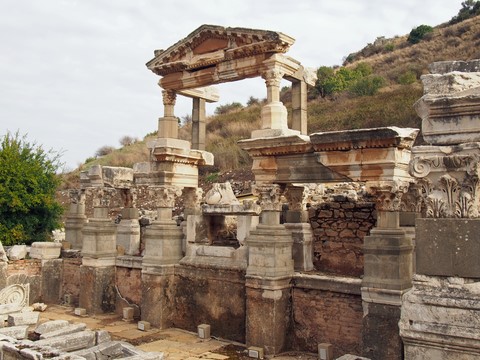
column 388, row 194
column 103, row 196
column 169, row 97
column 164, row 195
column 273, row 77
column 268, row 196
column 297, row 197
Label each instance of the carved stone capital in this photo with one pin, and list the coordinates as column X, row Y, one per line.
column 192, row 197
column 129, row 197
column 297, row 197
column 449, row 181
column 273, row 77
column 103, row 196
column 76, row 196
column 164, row 195
column 169, row 97
column 388, row 194
column 268, row 196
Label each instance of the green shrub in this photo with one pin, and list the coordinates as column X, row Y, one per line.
column 408, row 77
column 228, row 108
column 367, row 86
column 389, row 47
column 419, row 33
column 470, row 8
column 28, row 181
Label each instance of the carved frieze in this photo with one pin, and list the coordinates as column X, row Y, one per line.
column 165, row 195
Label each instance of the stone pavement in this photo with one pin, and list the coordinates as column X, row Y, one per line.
column 176, row 344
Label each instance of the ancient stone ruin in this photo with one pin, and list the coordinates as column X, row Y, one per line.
column 352, row 242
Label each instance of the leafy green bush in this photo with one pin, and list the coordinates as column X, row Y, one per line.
column 406, row 78
column 331, row 81
column 367, row 86
column 228, row 108
column 389, row 47
column 419, row 33
column 28, row 181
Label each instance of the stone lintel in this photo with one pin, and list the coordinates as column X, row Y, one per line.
column 280, row 145
column 209, row 93
column 340, row 284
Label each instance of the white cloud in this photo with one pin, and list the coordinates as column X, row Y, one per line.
column 73, row 73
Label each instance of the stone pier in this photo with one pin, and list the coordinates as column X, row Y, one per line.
column 268, row 277
column 75, row 219
column 97, row 273
column 163, row 250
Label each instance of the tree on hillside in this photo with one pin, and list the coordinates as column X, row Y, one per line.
column 470, row 8
column 28, row 181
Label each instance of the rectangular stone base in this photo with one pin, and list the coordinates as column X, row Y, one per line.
column 97, row 289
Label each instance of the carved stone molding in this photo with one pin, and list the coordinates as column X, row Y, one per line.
column 388, row 194
column 102, row 196
column 268, row 196
column 165, row 195
column 422, row 166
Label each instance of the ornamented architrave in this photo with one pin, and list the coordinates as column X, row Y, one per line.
column 268, row 196
column 165, row 195
column 449, row 185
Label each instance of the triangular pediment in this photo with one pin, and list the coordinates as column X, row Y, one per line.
column 211, row 44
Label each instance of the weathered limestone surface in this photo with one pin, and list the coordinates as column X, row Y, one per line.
column 45, row 250
column 52, row 275
column 17, row 252
column 128, row 232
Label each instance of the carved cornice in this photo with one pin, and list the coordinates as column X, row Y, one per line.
column 164, row 195
column 268, row 196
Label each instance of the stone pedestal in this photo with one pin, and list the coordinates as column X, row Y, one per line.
column 163, row 250
column 440, row 319
column 74, row 222
column 302, row 250
column 97, row 273
column 128, row 231
column 269, row 272
column 387, row 276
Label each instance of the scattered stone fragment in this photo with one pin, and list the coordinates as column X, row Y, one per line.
column 70, row 342
column 143, row 325
column 23, row 318
column 69, row 329
column 17, row 252
column 80, row 311
column 39, row 307
column 49, row 326
column 102, row 336
column 16, row 332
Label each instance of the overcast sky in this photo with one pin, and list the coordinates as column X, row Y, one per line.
column 73, row 75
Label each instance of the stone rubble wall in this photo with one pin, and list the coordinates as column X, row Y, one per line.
column 339, row 227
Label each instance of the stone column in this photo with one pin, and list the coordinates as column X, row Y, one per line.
column 168, row 124
column 387, row 273
column 195, row 225
column 163, row 249
column 198, row 124
column 269, row 274
column 128, row 230
column 75, row 219
column 97, row 273
column 299, row 106
column 297, row 223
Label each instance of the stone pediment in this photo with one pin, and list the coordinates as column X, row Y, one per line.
column 210, row 45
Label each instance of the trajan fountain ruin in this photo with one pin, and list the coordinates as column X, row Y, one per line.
column 355, row 240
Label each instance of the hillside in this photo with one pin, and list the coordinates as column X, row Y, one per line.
column 392, row 59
